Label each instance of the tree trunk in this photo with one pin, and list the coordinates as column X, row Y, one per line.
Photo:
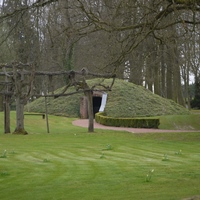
column 19, row 117
column 169, row 75
column 1, row 103
column 180, row 99
column 90, row 111
column 7, row 114
column 195, row 103
column 156, row 80
column 163, row 72
column 157, row 73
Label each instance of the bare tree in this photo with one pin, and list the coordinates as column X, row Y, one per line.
column 143, row 37
column 22, row 78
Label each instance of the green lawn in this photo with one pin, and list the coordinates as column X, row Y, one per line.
column 70, row 163
column 181, row 122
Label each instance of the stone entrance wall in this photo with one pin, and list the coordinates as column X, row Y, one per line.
column 83, row 108
column 84, row 105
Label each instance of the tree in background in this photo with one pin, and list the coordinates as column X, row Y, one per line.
column 152, row 43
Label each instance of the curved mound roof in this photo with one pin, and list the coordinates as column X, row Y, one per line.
column 125, row 100
column 128, row 100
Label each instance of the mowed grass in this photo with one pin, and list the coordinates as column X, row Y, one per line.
column 181, row 122
column 70, row 163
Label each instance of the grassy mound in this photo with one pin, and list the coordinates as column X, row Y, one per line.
column 128, row 100
column 125, row 100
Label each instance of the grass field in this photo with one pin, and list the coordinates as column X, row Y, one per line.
column 181, row 122
column 71, row 164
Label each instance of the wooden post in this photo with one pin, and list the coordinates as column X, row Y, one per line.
column 6, row 114
column 46, row 112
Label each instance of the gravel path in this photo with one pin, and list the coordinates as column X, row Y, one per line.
column 84, row 123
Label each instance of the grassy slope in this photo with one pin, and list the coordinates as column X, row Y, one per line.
column 125, row 100
column 180, row 122
column 70, row 163
column 128, row 100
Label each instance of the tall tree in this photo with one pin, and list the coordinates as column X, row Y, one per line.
column 105, row 35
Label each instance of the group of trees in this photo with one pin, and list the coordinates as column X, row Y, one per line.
column 155, row 43
column 20, row 80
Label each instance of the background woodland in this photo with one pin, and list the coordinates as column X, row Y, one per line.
column 155, row 43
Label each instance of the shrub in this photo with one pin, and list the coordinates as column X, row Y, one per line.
column 127, row 122
column 195, row 103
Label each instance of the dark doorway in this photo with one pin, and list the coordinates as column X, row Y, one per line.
column 96, row 104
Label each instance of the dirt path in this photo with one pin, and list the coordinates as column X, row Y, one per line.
column 84, row 123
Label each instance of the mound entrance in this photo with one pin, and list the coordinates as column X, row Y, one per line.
column 99, row 102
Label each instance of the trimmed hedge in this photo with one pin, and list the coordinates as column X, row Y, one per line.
column 127, row 122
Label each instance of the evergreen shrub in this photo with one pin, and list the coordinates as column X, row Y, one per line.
column 127, row 122
column 195, row 103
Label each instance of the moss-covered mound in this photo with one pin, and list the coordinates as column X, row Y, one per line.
column 125, row 100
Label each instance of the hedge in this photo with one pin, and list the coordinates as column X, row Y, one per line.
column 127, row 122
